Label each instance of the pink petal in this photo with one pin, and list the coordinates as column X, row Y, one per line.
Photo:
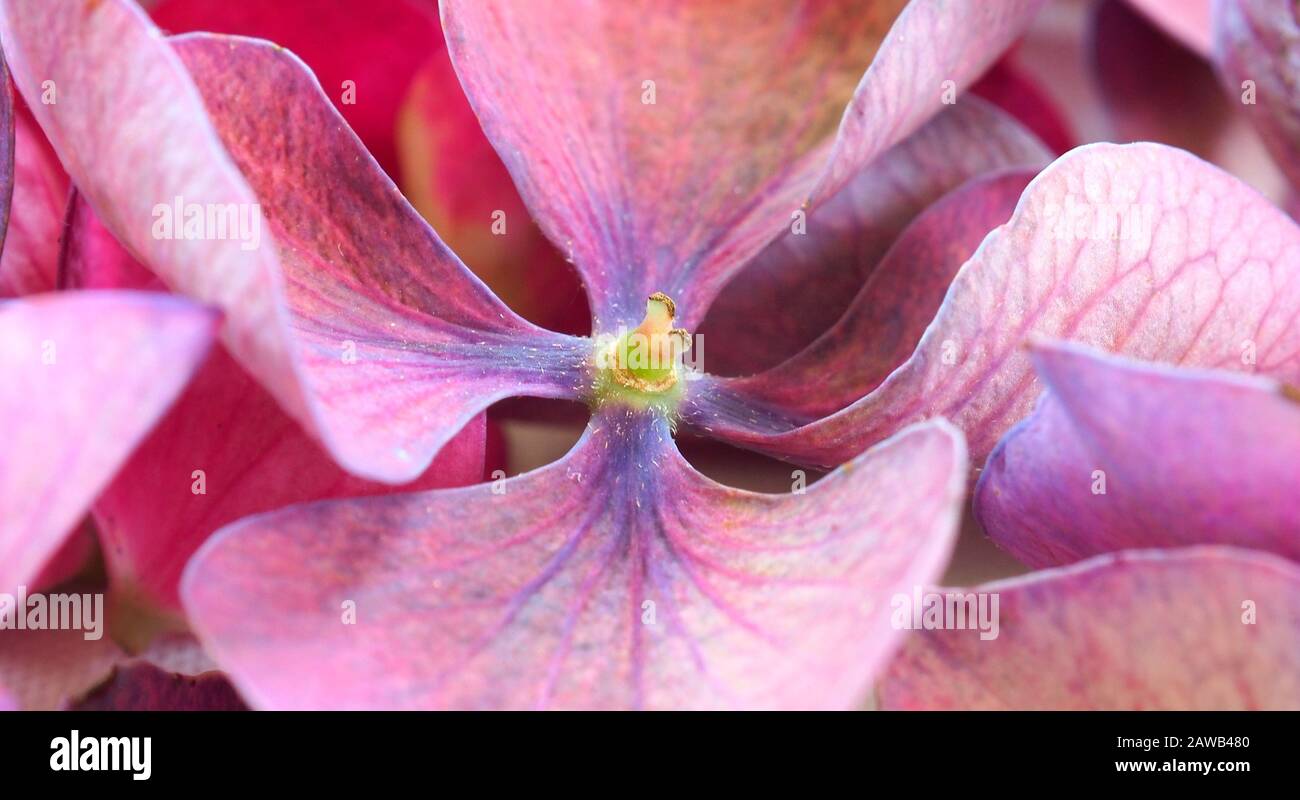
column 1139, row 630
column 224, row 431
column 7, row 701
column 1205, row 269
column 379, row 45
column 1188, row 21
column 802, row 283
column 616, row 577
column 87, row 374
column 889, row 314
column 1255, row 40
column 344, row 264
column 677, row 194
column 43, row 670
column 29, row 263
column 1180, row 482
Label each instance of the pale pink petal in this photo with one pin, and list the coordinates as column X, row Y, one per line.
column 86, row 375
column 617, row 577
column 1187, row 629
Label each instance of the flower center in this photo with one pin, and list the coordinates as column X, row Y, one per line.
column 643, row 366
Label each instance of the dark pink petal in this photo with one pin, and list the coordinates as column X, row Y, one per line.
column 86, row 375
column 138, row 685
column 1187, row 629
column 451, row 174
column 343, row 266
column 1256, row 41
column 889, row 314
column 676, row 194
column 6, row 150
column 1188, row 21
column 75, row 554
column 1137, row 63
column 29, row 263
column 1007, row 86
column 1203, row 271
column 802, row 283
column 43, row 670
column 224, row 451
column 378, row 45
column 617, row 577
column 1123, row 454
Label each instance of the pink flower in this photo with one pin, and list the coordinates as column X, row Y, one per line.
column 878, row 260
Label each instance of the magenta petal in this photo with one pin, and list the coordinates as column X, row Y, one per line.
column 803, row 282
column 86, row 375
column 1188, row 629
column 378, row 45
column 348, row 308
column 1217, row 461
column 616, row 577
column 676, row 194
column 1256, row 41
column 1204, row 271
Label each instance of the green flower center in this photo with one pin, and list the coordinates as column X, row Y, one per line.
column 642, row 367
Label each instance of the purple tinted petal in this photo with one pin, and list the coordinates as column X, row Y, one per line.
column 1123, row 454
column 663, row 146
column 803, row 282
column 616, row 577
column 1139, row 249
column 86, row 375
column 1189, row 629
